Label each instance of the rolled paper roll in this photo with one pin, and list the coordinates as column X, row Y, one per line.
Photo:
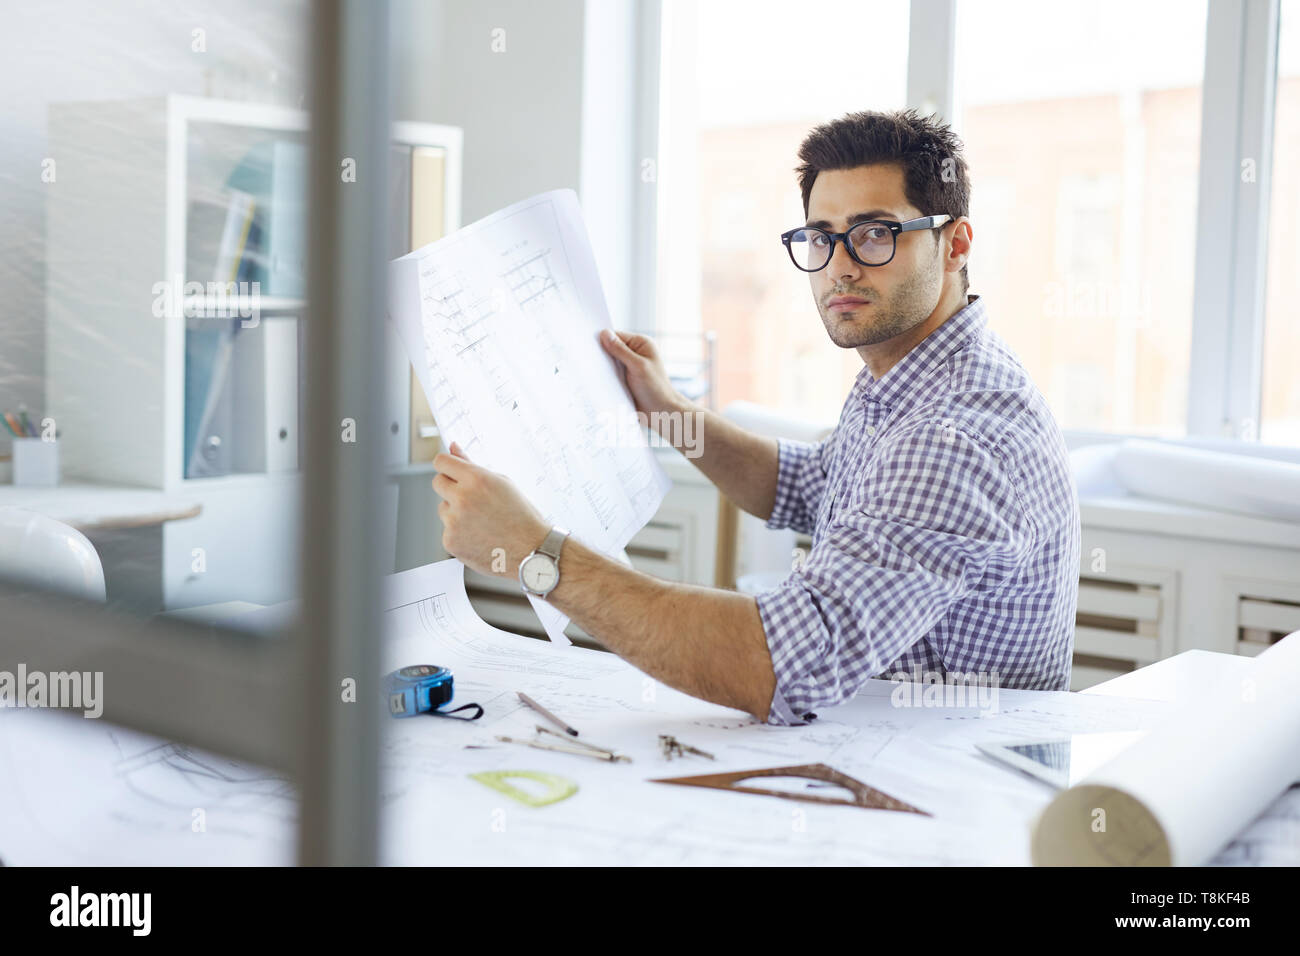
column 1182, row 792
column 1249, row 484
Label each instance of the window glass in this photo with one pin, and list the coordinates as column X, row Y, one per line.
column 1280, row 418
column 744, row 83
column 1083, row 142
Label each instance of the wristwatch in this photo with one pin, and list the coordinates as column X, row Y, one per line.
column 539, row 573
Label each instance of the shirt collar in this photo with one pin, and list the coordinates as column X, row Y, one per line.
column 960, row 327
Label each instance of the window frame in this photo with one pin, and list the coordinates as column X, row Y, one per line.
column 1239, row 88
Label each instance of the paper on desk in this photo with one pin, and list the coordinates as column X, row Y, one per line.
column 88, row 793
column 500, row 320
column 924, row 755
column 428, row 619
column 1180, row 794
column 84, row 792
column 982, row 813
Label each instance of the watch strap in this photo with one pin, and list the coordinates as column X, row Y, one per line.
column 553, row 543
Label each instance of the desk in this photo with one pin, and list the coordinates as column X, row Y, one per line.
column 125, row 526
column 144, row 791
column 1176, row 679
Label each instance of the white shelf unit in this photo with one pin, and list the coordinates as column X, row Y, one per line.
column 127, row 172
column 116, row 228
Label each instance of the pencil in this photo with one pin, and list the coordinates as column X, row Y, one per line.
column 26, row 422
column 547, row 714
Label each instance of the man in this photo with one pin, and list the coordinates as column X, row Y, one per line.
column 944, row 523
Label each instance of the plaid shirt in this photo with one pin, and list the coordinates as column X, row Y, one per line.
column 945, row 530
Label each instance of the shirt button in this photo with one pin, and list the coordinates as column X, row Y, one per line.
column 871, row 429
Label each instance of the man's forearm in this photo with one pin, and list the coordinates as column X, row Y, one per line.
column 741, row 464
column 704, row 642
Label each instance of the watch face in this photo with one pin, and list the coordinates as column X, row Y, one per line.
column 539, row 573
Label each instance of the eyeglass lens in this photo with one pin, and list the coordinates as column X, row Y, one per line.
column 811, row 248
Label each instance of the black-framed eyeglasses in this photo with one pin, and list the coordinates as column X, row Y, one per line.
column 872, row 242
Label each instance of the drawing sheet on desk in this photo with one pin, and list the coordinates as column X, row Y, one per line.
column 924, row 755
column 500, row 321
column 76, row 791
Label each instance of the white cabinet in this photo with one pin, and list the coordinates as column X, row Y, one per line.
column 1158, row 579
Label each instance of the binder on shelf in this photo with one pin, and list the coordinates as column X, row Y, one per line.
column 209, row 349
column 210, row 342
column 266, row 385
column 396, row 422
column 240, row 212
column 428, row 185
column 274, row 173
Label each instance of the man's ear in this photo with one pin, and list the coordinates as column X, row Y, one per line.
column 958, row 245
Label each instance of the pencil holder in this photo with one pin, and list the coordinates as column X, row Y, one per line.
column 36, row 462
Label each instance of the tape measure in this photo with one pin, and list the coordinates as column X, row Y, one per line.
column 417, row 689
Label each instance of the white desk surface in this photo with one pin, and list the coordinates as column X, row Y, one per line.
column 982, row 810
column 89, row 507
column 1176, row 678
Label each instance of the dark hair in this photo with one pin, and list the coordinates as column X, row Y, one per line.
column 935, row 177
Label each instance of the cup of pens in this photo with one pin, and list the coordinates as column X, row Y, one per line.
column 36, row 459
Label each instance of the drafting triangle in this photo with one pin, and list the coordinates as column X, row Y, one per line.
column 869, row 798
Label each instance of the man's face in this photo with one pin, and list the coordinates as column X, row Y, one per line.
column 880, row 302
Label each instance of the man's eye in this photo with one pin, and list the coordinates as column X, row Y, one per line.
column 817, row 238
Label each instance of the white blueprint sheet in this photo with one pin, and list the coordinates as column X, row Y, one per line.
column 79, row 791
column 500, row 320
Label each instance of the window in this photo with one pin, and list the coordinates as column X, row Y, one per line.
column 744, row 82
column 1082, row 137
column 1280, row 401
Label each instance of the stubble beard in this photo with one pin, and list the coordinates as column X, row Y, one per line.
column 908, row 306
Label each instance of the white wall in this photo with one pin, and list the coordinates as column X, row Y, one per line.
column 556, row 109
column 520, row 109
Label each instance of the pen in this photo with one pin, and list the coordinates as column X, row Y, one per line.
column 15, row 426
column 28, row 428
column 547, row 714
column 9, row 426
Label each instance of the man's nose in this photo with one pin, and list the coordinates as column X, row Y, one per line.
column 843, row 265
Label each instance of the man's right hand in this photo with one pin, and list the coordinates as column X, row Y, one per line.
column 742, row 464
column 647, row 377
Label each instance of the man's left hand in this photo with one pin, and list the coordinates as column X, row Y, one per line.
column 486, row 522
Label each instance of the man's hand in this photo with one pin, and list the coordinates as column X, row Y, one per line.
column 486, row 522
column 647, row 378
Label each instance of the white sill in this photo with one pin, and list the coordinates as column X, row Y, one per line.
column 1147, row 515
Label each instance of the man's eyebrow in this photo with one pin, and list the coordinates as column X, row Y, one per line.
column 856, row 218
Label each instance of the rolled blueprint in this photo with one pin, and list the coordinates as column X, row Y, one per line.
column 1249, row 484
column 1182, row 792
